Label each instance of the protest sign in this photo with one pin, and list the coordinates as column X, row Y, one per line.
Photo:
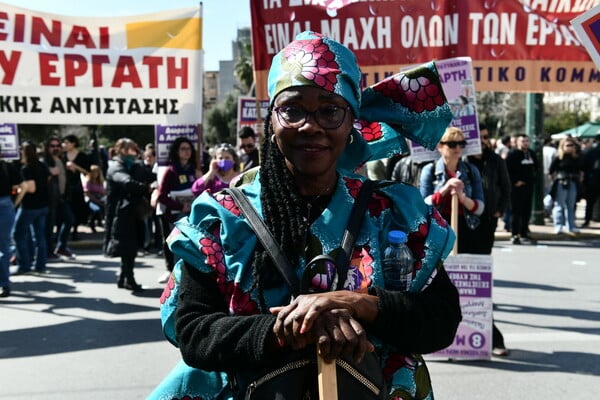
column 144, row 69
column 472, row 276
column 456, row 75
column 9, row 142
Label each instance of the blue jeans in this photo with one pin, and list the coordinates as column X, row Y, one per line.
column 35, row 218
column 7, row 219
column 563, row 212
column 65, row 218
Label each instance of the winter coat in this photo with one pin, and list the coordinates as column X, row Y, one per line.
column 124, row 190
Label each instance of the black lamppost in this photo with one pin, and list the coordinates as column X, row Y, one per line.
column 534, row 117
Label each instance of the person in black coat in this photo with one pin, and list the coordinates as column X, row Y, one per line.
column 125, row 192
column 591, row 179
column 522, row 166
column 496, row 192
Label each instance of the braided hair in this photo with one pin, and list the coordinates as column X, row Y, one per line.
column 282, row 205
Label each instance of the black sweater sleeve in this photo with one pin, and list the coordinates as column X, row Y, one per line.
column 210, row 338
column 418, row 322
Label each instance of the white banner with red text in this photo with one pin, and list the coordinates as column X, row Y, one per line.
column 143, row 69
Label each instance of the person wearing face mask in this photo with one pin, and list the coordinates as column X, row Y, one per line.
column 224, row 166
column 124, row 231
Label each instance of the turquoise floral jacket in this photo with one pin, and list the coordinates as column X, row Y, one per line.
column 216, row 238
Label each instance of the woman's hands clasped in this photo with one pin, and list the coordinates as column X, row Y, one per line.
column 328, row 320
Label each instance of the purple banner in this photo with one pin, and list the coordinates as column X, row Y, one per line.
column 9, row 141
column 165, row 135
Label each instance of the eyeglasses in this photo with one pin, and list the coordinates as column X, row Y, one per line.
column 485, row 137
column 569, row 145
column 329, row 117
column 453, row 143
column 247, row 146
column 53, row 146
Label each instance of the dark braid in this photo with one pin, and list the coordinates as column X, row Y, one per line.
column 281, row 205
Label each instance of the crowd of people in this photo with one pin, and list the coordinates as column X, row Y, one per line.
column 228, row 299
column 55, row 187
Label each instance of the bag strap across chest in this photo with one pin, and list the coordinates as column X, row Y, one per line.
column 279, row 258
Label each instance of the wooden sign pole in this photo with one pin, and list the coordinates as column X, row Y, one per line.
column 327, row 379
column 454, row 222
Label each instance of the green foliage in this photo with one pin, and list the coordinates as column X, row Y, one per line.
column 556, row 121
column 243, row 69
column 221, row 122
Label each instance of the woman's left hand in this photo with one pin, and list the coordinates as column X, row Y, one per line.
column 301, row 313
column 305, row 309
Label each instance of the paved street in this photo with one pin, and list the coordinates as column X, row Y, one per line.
column 548, row 308
column 73, row 335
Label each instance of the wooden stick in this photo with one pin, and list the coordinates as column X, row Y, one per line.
column 454, row 222
column 327, row 379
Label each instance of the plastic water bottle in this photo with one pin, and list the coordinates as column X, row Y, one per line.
column 398, row 262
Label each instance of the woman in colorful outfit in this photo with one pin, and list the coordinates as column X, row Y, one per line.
column 228, row 309
column 449, row 176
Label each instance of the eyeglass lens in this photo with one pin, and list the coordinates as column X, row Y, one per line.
column 330, row 117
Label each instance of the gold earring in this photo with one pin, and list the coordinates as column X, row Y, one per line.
column 273, row 139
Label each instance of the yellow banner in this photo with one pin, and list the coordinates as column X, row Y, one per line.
column 173, row 34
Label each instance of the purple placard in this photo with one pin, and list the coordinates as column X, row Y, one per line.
column 248, row 114
column 472, row 276
column 456, row 76
column 165, row 135
column 9, row 141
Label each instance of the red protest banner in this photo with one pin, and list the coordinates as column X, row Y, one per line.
column 515, row 45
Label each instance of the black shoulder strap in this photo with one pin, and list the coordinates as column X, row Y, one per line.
column 350, row 234
column 266, row 239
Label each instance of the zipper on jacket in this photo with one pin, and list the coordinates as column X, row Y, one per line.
column 287, row 367
column 358, row 376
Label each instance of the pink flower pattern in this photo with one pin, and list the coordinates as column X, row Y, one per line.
column 227, row 202
column 167, row 290
column 419, row 91
column 239, row 303
column 315, row 62
column 370, row 131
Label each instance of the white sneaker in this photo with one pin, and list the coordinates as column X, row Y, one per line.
column 164, row 277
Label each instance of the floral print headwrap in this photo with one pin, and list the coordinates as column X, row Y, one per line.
column 408, row 105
